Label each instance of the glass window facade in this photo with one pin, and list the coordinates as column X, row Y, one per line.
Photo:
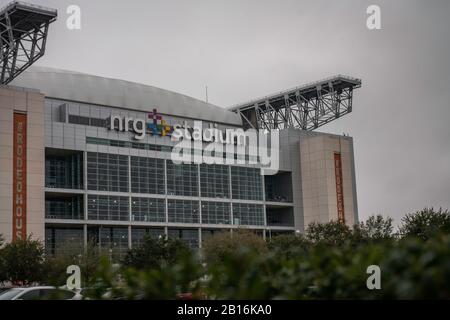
column 112, row 241
column 138, row 234
column 64, row 171
column 188, row 236
column 147, row 175
column 128, row 144
column 246, row 183
column 64, row 241
column 148, row 209
column 87, row 121
column 111, row 208
column 64, row 208
column 124, row 189
column 107, row 172
column 216, row 212
column 182, row 179
column 248, row 214
column 208, row 233
column 183, row 211
column 214, row 181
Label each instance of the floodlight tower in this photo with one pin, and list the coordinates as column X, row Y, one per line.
column 306, row 107
column 23, row 36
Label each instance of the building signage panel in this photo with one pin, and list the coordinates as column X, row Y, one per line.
column 339, row 187
column 20, row 177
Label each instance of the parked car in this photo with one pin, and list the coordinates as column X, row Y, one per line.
column 3, row 289
column 39, row 293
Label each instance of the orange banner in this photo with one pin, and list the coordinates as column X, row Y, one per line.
column 339, row 187
column 20, row 177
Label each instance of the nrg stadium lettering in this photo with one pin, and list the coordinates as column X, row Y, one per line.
column 155, row 125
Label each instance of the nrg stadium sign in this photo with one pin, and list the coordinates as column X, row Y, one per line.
column 215, row 146
column 155, row 125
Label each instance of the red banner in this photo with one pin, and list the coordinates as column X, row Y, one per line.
column 339, row 187
column 20, row 177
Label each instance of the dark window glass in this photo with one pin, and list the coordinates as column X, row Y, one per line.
column 246, row 183
column 214, row 181
column 148, row 209
column 112, row 208
column 112, row 241
column 64, row 208
column 138, row 234
column 188, row 236
column 99, row 122
column 182, row 179
column 107, row 172
column 64, row 241
column 65, row 171
column 79, row 120
column 183, row 211
column 248, row 214
column 31, row 295
column 147, row 175
column 216, row 212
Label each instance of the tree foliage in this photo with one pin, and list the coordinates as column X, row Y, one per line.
column 222, row 245
column 22, row 262
column 332, row 233
column 56, row 266
column 328, row 262
column 425, row 223
column 154, row 253
column 374, row 229
column 289, row 245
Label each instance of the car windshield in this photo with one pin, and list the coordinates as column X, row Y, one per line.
column 9, row 294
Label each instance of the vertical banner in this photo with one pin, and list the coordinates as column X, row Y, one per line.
column 20, row 177
column 339, row 187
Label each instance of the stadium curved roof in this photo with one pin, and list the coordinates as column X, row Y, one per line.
column 81, row 87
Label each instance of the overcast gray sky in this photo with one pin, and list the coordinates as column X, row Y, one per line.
column 246, row 49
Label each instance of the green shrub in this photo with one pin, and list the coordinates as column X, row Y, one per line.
column 182, row 276
column 56, row 266
column 154, row 253
column 425, row 223
column 410, row 269
column 374, row 229
column 22, row 262
column 288, row 245
column 220, row 246
column 332, row 233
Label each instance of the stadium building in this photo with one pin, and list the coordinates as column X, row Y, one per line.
column 68, row 178
column 81, row 181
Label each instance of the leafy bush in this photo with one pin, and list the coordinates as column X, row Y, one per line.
column 154, row 253
column 182, row 276
column 410, row 269
column 374, row 229
column 425, row 223
column 332, row 233
column 328, row 262
column 22, row 262
column 56, row 266
column 288, row 245
column 222, row 245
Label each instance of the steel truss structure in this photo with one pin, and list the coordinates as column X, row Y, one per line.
column 23, row 35
column 306, row 107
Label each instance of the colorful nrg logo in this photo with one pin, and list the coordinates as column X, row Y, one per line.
column 155, row 125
